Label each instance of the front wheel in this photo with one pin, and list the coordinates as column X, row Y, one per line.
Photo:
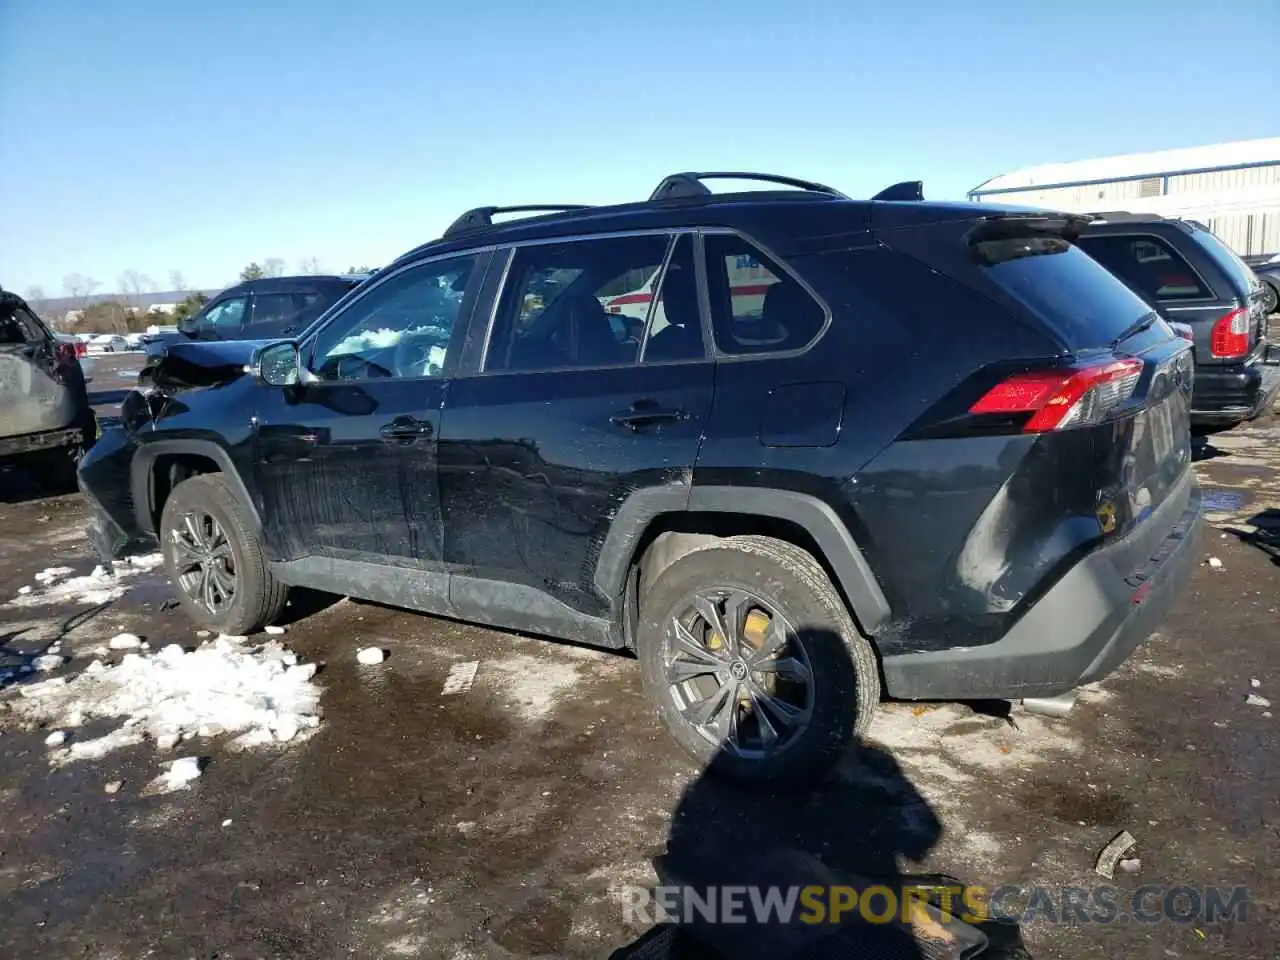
column 214, row 558
column 753, row 662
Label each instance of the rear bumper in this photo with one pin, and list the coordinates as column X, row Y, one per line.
column 69, row 437
column 1079, row 631
column 1233, row 393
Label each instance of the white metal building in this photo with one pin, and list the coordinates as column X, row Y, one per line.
column 1233, row 188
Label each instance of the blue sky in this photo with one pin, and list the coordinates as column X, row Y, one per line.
column 156, row 136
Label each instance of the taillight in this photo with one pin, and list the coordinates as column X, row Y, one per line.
column 1230, row 337
column 66, row 354
column 1070, row 397
column 81, row 349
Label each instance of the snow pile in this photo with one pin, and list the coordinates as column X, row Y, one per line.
column 100, row 586
column 173, row 695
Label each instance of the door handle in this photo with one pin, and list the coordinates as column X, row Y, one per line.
column 405, row 430
column 644, row 413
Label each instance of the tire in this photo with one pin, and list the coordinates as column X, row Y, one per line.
column 844, row 679
column 257, row 598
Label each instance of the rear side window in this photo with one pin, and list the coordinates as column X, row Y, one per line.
column 756, row 306
column 17, row 326
column 282, row 307
column 580, row 304
column 1062, row 285
column 1148, row 264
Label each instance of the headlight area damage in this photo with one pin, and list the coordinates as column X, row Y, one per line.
column 118, row 494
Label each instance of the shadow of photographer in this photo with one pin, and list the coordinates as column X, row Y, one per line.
column 788, row 871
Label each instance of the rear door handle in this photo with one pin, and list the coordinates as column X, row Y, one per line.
column 405, row 430
column 644, row 413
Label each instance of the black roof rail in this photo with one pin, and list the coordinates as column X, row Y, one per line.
column 681, row 185
column 906, row 190
column 481, row 217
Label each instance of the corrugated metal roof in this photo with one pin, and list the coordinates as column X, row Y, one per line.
column 1238, row 153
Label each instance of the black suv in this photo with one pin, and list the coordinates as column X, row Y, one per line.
column 264, row 309
column 790, row 448
column 1193, row 278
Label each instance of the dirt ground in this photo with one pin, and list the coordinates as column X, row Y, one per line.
column 502, row 821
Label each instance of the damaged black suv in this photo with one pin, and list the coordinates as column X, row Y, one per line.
column 793, row 450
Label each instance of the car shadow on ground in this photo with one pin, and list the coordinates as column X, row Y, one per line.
column 852, row 832
column 18, row 659
column 23, row 483
column 1265, row 534
column 1202, row 448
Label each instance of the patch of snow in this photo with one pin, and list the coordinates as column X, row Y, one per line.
column 174, row 695
column 23, row 591
column 99, row 586
column 56, row 739
column 50, row 574
column 1254, row 700
column 179, row 774
column 114, row 786
column 274, row 630
column 371, row 655
column 50, row 661
column 124, row 641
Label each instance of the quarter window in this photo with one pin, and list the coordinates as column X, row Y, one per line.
column 400, row 328
column 582, row 303
column 756, row 307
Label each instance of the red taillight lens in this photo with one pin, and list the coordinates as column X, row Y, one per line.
column 1230, row 337
column 66, row 353
column 81, row 349
column 1072, row 396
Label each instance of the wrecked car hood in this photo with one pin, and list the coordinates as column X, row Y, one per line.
column 186, row 365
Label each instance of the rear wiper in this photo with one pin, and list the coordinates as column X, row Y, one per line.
column 1133, row 329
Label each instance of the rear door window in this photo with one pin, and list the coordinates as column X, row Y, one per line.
column 578, row 304
column 1148, row 264
column 282, row 308
column 1063, row 285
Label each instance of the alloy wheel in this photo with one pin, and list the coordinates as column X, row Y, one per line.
column 204, row 561
column 737, row 672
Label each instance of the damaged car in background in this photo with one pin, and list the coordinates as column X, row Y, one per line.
column 46, row 422
column 793, row 450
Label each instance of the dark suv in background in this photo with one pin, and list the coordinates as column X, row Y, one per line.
column 265, row 309
column 786, row 446
column 1195, row 279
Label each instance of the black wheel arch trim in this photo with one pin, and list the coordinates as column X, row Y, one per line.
column 641, row 508
column 143, row 474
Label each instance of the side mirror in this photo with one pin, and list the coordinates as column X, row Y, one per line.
column 279, row 364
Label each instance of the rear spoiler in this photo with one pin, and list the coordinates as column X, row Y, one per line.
column 1068, row 226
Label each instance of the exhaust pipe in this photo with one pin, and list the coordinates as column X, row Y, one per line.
column 1058, row 706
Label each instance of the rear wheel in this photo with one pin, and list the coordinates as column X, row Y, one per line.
column 214, row 558
column 753, row 662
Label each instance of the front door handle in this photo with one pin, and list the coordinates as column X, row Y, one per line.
column 645, row 413
column 405, row 430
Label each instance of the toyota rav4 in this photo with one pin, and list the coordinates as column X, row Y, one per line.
column 795, row 451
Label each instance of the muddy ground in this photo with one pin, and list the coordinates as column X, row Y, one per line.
column 501, row 821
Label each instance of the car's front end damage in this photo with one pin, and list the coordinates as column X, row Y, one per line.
column 118, row 475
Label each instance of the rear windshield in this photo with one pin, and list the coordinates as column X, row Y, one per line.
column 1236, row 269
column 1060, row 283
column 1147, row 264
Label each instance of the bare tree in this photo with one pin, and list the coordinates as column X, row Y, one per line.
column 272, row 267
column 35, row 292
column 310, row 265
column 133, row 285
column 177, row 281
column 79, row 288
